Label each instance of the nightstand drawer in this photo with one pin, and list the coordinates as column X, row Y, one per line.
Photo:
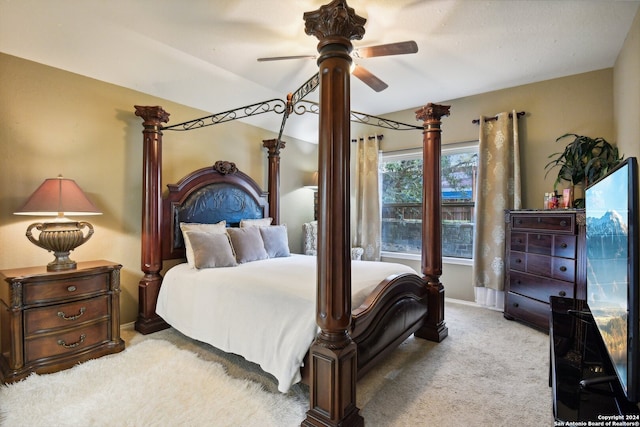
column 40, row 320
column 555, row 222
column 539, row 288
column 71, row 341
column 38, row 292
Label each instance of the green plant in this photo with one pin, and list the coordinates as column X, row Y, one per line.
column 583, row 161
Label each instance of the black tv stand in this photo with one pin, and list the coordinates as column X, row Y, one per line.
column 584, row 384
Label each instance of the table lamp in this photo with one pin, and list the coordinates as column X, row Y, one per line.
column 59, row 197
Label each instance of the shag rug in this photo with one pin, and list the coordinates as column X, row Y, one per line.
column 152, row 383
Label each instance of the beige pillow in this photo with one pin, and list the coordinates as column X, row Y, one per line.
column 247, row 244
column 218, row 228
column 260, row 222
column 276, row 241
column 211, row 250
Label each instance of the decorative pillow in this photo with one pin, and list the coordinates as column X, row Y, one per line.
column 218, row 228
column 247, row 244
column 275, row 239
column 211, row 250
column 260, row 222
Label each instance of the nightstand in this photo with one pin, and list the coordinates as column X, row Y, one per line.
column 50, row 321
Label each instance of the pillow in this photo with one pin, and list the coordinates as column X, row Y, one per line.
column 211, row 250
column 218, row 228
column 260, row 222
column 275, row 239
column 247, row 244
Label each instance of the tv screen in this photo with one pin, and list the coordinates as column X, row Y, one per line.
column 611, row 208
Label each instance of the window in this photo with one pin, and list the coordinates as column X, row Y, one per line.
column 401, row 184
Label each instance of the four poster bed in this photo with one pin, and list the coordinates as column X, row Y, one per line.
column 344, row 333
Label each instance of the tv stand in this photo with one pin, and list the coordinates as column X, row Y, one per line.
column 584, row 384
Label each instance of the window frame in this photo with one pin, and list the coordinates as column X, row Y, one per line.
column 417, row 153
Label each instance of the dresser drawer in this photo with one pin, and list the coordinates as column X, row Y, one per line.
column 528, row 310
column 554, row 267
column 540, row 288
column 519, row 242
column 66, row 342
column 556, row 222
column 37, row 320
column 564, row 246
column 39, row 292
column 538, row 243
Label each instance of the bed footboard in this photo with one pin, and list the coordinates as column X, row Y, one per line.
column 394, row 310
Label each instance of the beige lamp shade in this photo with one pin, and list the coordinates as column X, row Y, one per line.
column 58, row 197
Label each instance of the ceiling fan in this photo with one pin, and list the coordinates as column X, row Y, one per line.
column 399, row 48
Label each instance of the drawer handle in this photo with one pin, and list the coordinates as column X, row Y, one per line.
column 518, row 261
column 563, row 268
column 75, row 317
column 72, row 345
column 516, row 305
column 518, row 221
column 562, row 293
column 71, row 288
column 564, row 246
column 563, row 223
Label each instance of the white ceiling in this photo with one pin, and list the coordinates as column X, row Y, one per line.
column 202, row 53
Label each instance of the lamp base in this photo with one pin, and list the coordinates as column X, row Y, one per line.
column 62, row 262
column 60, row 238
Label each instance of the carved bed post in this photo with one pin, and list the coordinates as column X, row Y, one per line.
column 151, row 263
column 434, row 328
column 273, row 187
column 333, row 353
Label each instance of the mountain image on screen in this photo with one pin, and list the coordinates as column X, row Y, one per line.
column 607, row 249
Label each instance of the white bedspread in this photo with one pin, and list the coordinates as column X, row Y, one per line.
column 262, row 310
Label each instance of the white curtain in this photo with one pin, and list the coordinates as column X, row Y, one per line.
column 498, row 189
column 367, row 198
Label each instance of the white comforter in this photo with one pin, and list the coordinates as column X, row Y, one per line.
column 262, row 310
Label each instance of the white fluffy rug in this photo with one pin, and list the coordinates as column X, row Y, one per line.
column 152, row 383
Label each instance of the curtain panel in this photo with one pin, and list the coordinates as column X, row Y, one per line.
column 498, row 190
column 367, row 198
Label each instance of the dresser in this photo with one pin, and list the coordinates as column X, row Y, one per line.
column 50, row 321
column 545, row 253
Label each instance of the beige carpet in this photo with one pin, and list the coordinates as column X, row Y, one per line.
column 488, row 372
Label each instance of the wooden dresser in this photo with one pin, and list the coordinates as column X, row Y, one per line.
column 545, row 253
column 50, row 321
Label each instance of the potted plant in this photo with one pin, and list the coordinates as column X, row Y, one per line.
column 583, row 161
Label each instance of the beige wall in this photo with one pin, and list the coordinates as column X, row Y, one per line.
column 626, row 91
column 55, row 122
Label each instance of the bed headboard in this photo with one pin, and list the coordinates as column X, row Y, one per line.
column 207, row 196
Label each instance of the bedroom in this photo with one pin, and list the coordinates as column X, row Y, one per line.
column 60, row 122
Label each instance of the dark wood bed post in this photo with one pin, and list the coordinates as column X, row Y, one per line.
column 151, row 263
column 273, row 148
column 434, row 328
column 333, row 355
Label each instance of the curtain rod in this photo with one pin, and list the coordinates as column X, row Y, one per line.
column 488, row 119
column 369, row 138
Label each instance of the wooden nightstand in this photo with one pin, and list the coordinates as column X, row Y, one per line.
column 50, row 321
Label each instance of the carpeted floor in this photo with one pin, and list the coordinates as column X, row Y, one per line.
column 487, row 372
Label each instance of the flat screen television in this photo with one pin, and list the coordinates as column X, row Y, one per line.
column 613, row 294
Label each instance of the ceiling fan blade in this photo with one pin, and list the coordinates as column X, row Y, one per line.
column 369, row 79
column 400, row 48
column 280, row 58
